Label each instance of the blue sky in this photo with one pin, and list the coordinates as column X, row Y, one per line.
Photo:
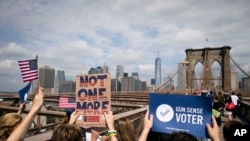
column 69, row 35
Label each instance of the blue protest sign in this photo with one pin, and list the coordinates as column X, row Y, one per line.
column 173, row 113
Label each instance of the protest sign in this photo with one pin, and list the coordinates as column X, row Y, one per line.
column 174, row 113
column 93, row 95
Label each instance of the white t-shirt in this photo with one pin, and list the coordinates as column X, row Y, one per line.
column 235, row 99
column 88, row 137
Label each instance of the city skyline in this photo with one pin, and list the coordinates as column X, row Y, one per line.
column 71, row 35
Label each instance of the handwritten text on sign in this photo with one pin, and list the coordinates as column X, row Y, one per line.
column 93, row 94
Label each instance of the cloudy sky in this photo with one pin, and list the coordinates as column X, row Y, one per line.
column 71, row 34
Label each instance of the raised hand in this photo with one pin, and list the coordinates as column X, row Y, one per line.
column 214, row 130
column 38, row 99
column 73, row 117
column 148, row 122
column 109, row 120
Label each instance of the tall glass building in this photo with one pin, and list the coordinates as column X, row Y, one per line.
column 157, row 71
column 135, row 75
column 59, row 80
column 119, row 71
column 105, row 68
column 46, row 77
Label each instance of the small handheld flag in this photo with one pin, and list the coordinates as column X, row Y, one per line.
column 28, row 69
column 66, row 102
column 29, row 72
column 23, row 93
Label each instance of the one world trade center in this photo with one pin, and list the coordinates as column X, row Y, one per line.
column 157, row 71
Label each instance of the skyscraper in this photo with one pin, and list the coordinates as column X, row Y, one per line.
column 59, row 80
column 157, row 71
column 92, row 71
column 47, row 77
column 99, row 70
column 135, row 75
column 105, row 68
column 119, row 76
column 68, row 87
column 119, row 72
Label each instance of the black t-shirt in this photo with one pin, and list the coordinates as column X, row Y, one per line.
column 217, row 105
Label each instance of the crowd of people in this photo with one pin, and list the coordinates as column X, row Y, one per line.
column 14, row 128
column 227, row 105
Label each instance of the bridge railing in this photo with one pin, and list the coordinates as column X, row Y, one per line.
column 135, row 116
column 244, row 111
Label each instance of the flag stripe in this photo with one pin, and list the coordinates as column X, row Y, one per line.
column 28, row 72
column 30, row 79
column 28, row 69
column 29, row 75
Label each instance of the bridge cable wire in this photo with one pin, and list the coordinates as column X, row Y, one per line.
column 170, row 78
column 239, row 67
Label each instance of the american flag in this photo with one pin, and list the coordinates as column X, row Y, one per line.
column 91, row 118
column 66, row 102
column 28, row 69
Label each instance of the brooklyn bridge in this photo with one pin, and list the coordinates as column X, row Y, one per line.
column 134, row 104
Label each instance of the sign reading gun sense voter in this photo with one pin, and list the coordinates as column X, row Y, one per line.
column 174, row 113
column 93, row 97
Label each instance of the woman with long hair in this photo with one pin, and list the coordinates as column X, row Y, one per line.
column 124, row 130
column 8, row 123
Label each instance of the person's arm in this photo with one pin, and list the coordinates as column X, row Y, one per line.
column 21, row 108
column 148, row 123
column 20, row 132
column 94, row 135
column 110, row 123
column 73, row 117
column 214, row 130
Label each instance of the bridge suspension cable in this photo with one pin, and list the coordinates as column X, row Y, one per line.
column 239, row 67
column 171, row 78
column 165, row 82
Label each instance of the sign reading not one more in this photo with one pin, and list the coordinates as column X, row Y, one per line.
column 93, row 96
column 174, row 113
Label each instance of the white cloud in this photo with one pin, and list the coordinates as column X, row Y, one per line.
column 5, row 64
column 68, row 35
column 13, row 49
column 189, row 35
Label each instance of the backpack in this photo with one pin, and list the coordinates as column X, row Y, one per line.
column 230, row 106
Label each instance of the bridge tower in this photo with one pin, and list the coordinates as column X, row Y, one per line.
column 207, row 56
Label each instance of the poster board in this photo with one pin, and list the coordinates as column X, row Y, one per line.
column 173, row 113
column 93, row 99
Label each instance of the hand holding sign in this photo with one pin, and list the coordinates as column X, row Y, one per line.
column 148, row 123
column 73, row 117
column 213, row 131
column 109, row 120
